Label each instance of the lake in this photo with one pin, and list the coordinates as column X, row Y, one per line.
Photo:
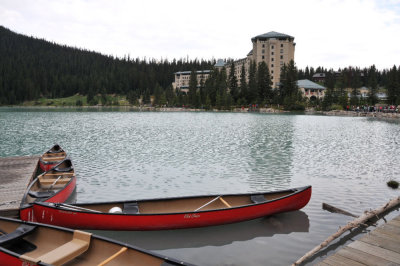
column 121, row 155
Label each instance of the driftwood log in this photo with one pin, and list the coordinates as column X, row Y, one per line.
column 353, row 224
column 331, row 208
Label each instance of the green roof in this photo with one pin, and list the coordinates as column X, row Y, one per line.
column 307, row 84
column 272, row 34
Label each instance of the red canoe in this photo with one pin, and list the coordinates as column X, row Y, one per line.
column 172, row 213
column 51, row 158
column 55, row 185
column 26, row 243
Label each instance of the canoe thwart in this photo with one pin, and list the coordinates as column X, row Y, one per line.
column 259, row 198
column 20, row 232
column 225, row 203
column 122, row 250
column 131, row 208
column 79, row 244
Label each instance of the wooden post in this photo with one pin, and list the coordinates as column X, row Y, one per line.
column 353, row 224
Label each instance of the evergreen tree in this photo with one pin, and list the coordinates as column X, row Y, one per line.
column 233, row 83
column 243, row 85
column 252, row 86
column 193, row 88
column 170, row 96
column 329, row 93
column 392, row 86
column 158, row 93
column 373, row 86
column 288, row 89
column 264, row 83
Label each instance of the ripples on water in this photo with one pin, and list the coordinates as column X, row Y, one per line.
column 126, row 155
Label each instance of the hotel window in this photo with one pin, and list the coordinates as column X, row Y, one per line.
column 263, row 51
column 272, row 72
column 281, row 63
column 281, row 44
column 263, row 45
column 272, row 53
column 272, row 59
column 272, row 65
column 281, row 51
column 262, row 57
column 281, row 56
column 272, row 47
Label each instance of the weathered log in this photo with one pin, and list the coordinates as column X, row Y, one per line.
column 331, row 208
column 353, row 224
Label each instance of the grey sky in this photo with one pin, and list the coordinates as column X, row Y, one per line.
column 329, row 33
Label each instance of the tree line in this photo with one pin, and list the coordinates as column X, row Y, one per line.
column 31, row 68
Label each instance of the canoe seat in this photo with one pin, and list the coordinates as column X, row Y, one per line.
column 49, row 181
column 258, row 198
column 131, row 208
column 20, row 232
column 40, row 194
column 65, row 253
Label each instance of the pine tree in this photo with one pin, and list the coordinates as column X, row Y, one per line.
column 288, row 89
column 158, row 92
column 192, row 88
column 392, row 86
column 252, row 86
column 243, row 85
column 233, row 83
column 373, row 86
column 264, row 83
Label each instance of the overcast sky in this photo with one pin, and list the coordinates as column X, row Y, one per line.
column 331, row 33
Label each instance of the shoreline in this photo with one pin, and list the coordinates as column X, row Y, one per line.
column 383, row 115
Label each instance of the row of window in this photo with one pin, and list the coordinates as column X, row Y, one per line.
column 272, row 46
column 272, row 59
column 272, row 53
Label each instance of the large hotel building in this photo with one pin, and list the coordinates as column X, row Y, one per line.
column 274, row 48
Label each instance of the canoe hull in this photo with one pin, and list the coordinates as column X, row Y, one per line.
column 109, row 221
column 27, row 213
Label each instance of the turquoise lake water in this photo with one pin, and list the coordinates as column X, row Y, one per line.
column 120, row 155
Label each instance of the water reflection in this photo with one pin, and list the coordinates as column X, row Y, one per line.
column 284, row 223
column 271, row 152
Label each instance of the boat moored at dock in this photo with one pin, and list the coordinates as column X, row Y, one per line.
column 172, row 213
column 52, row 157
column 28, row 243
column 55, row 185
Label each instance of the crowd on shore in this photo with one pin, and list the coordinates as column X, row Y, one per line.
column 379, row 108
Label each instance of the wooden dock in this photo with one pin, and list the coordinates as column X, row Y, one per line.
column 15, row 176
column 379, row 247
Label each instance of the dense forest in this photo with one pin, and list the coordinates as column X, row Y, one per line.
column 32, row 68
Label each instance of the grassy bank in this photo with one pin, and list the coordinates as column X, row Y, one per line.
column 77, row 100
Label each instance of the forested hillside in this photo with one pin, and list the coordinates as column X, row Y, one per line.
column 31, row 68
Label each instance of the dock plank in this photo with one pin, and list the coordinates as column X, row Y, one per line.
column 394, row 223
column 379, row 247
column 362, row 257
column 386, row 243
column 336, row 259
column 376, row 251
column 384, row 234
column 15, row 176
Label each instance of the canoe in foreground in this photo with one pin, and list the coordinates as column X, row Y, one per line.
column 172, row 213
column 51, row 158
column 27, row 243
column 55, row 185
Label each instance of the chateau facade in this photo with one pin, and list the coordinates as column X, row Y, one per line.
column 273, row 48
column 182, row 79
